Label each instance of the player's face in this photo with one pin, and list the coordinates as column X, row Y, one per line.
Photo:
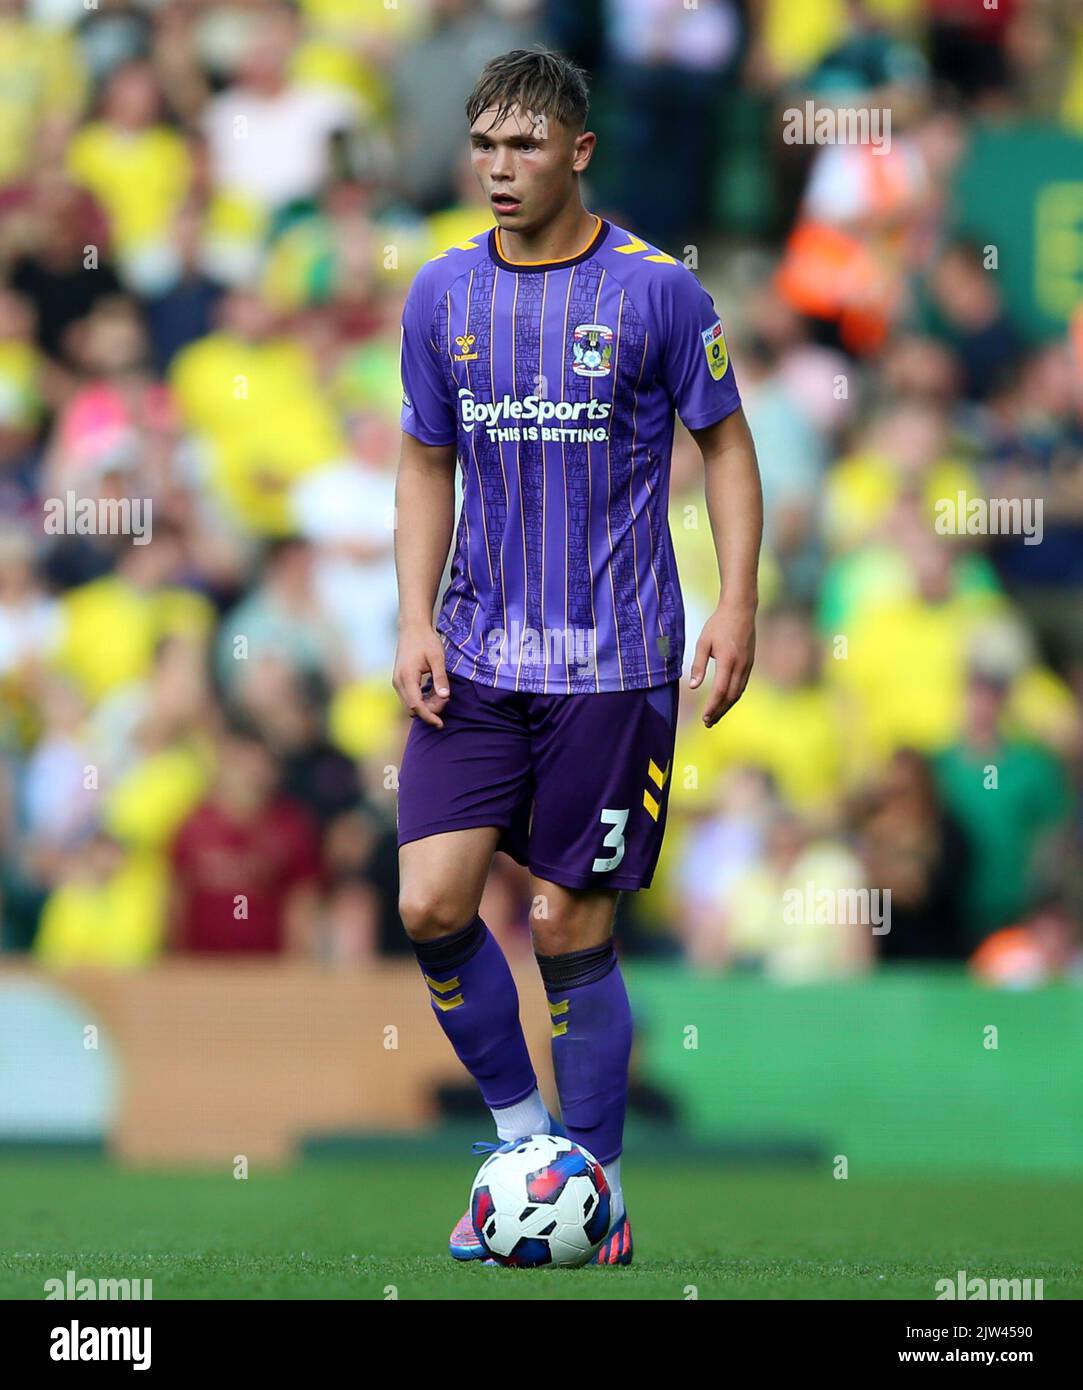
column 526, row 165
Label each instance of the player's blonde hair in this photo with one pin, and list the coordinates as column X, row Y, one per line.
column 538, row 80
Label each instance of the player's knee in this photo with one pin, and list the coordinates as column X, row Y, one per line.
column 557, row 936
column 429, row 913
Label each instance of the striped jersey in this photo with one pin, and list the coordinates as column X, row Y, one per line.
column 558, row 382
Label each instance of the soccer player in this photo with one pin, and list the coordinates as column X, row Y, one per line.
column 546, row 357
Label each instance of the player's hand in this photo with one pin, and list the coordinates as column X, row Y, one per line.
column 420, row 676
column 729, row 636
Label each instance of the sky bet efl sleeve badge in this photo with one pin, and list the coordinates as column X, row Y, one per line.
column 714, row 345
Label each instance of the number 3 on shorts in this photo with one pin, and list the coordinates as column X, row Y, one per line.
column 614, row 841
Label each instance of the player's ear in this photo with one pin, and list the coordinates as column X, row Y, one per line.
column 583, row 149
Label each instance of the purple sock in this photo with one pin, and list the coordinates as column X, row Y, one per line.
column 476, row 1004
column 592, row 1042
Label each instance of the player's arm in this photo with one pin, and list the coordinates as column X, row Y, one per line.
column 425, row 518
column 735, row 509
column 424, row 505
column 695, row 368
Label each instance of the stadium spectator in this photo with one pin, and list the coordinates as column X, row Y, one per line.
column 42, row 78
column 431, row 79
column 270, row 138
column 246, row 862
column 918, row 853
column 140, row 171
column 666, row 77
column 1012, row 799
column 56, row 235
column 789, row 723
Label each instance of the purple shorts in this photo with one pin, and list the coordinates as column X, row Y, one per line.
column 579, row 784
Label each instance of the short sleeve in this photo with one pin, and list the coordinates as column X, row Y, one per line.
column 427, row 410
column 695, row 366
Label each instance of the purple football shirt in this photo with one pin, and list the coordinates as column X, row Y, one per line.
column 558, row 383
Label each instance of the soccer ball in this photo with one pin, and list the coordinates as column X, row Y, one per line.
column 540, row 1201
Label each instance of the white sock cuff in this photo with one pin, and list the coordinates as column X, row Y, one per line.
column 527, row 1116
column 616, row 1196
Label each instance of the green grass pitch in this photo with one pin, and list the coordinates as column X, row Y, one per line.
column 375, row 1229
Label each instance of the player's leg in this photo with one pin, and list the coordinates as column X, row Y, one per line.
column 602, row 765
column 591, row 1020
column 473, row 994
column 462, row 789
column 471, row 988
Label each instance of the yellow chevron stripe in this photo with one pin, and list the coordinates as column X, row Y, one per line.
column 442, row 986
column 653, row 807
column 445, row 1004
column 662, row 258
column 462, row 246
column 632, row 246
column 555, row 1009
column 559, row 1029
column 657, row 776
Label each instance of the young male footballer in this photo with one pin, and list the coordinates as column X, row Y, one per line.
column 547, row 356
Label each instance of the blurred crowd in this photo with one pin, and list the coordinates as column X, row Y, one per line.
column 210, row 214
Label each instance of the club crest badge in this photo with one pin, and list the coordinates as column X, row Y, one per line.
column 592, row 349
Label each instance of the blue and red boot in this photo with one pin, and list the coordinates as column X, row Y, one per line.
column 616, row 1249
column 464, row 1243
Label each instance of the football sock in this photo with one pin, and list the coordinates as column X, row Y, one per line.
column 592, row 1042
column 528, row 1117
column 616, row 1196
column 476, row 1004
